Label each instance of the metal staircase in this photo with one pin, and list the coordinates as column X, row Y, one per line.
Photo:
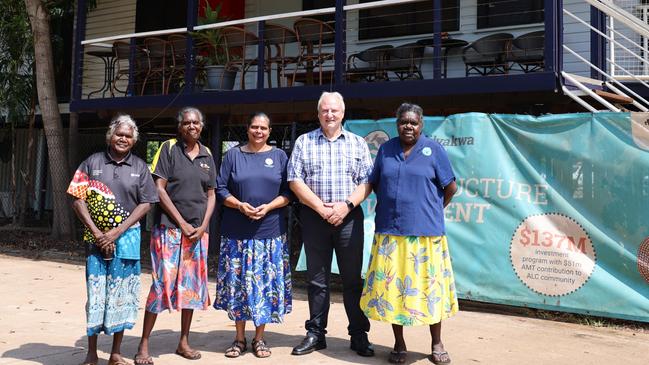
column 609, row 93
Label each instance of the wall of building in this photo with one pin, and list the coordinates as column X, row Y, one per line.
column 109, row 18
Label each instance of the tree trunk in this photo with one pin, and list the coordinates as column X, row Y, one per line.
column 58, row 162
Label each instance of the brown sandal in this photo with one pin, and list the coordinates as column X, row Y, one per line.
column 237, row 348
column 260, row 348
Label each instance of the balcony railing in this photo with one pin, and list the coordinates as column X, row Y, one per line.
column 368, row 42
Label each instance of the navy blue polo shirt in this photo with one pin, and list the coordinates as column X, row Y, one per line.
column 187, row 181
column 254, row 178
column 409, row 191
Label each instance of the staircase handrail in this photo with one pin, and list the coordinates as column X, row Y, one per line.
column 590, row 92
column 612, row 79
column 621, row 15
column 605, row 35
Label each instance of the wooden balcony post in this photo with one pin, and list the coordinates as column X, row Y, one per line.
column 261, row 54
column 340, row 52
column 553, row 14
column 597, row 43
column 437, row 39
column 190, row 55
column 78, row 50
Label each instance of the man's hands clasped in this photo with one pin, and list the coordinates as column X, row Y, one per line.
column 334, row 213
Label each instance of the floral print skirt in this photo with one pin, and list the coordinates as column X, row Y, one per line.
column 409, row 281
column 254, row 280
column 179, row 270
column 113, row 289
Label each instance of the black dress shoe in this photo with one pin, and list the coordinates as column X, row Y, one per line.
column 309, row 344
column 362, row 346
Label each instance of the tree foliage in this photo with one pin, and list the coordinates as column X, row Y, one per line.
column 16, row 62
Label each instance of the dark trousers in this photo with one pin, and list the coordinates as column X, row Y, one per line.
column 320, row 240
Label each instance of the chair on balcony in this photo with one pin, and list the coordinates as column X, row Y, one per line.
column 178, row 44
column 122, row 54
column 405, row 61
column 313, row 36
column 488, row 55
column 528, row 52
column 277, row 37
column 368, row 65
column 159, row 57
column 236, row 42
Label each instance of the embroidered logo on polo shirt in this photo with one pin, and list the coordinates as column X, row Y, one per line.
column 135, row 175
column 268, row 162
column 205, row 166
column 427, row 151
column 96, row 172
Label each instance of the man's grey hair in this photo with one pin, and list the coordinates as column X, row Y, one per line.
column 119, row 120
column 335, row 94
column 190, row 109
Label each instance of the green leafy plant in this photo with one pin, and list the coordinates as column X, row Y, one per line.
column 211, row 41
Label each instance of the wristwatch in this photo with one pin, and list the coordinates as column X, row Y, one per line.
column 350, row 205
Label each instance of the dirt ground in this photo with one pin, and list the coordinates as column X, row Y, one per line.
column 42, row 322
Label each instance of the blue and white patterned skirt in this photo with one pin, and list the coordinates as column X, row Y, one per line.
column 113, row 294
column 254, row 280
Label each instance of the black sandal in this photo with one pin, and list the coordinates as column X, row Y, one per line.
column 259, row 347
column 237, row 348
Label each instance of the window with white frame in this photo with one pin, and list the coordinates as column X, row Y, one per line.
column 502, row 13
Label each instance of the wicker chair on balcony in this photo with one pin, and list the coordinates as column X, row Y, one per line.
column 368, row 65
column 276, row 38
column 159, row 58
column 122, row 52
column 313, row 36
column 178, row 44
column 488, row 55
column 237, row 40
column 528, row 52
column 405, row 61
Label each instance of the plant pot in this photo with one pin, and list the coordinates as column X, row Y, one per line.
column 218, row 78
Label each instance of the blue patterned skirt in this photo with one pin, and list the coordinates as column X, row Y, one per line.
column 254, row 280
column 113, row 294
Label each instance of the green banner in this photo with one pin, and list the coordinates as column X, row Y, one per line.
column 551, row 212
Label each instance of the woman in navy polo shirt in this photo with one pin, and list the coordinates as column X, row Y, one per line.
column 113, row 191
column 254, row 277
column 410, row 279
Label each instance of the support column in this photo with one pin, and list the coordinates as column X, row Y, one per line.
column 216, row 142
column 550, row 50
column 340, row 52
column 437, row 39
column 190, row 55
column 78, row 50
column 597, row 42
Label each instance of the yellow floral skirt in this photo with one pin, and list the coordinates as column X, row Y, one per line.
column 410, row 281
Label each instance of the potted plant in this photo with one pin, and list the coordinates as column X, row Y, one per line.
column 212, row 52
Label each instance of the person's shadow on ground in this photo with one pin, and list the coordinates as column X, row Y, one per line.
column 164, row 342
column 46, row 354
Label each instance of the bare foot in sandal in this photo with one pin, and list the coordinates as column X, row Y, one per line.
column 236, row 349
column 260, row 348
column 439, row 355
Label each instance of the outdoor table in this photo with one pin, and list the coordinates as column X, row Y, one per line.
column 108, row 57
column 446, row 43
